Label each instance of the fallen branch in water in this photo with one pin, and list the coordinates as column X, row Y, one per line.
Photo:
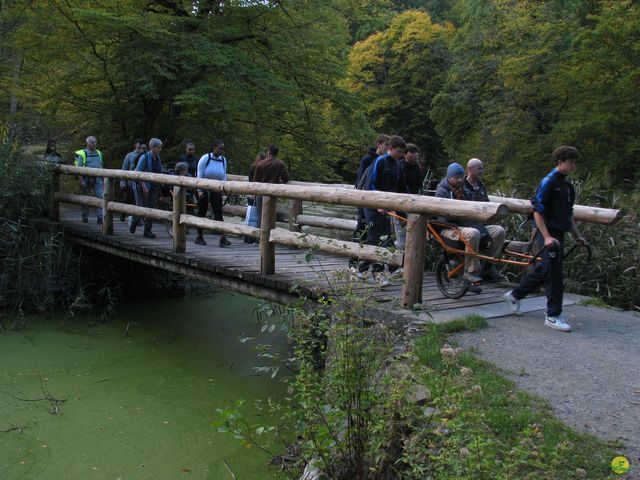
column 233, row 475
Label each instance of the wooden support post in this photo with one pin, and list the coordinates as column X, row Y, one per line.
column 108, row 195
column 267, row 223
column 414, row 260
column 54, row 205
column 295, row 209
column 179, row 208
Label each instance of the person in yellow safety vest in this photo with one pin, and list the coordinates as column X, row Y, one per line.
column 90, row 157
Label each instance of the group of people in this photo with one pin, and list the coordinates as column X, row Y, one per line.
column 392, row 166
column 145, row 157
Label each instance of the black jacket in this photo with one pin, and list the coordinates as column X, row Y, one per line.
column 365, row 162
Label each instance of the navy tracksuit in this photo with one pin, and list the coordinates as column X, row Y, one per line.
column 554, row 199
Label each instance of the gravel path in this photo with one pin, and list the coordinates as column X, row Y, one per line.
column 591, row 375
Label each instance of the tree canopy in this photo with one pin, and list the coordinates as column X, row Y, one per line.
column 501, row 80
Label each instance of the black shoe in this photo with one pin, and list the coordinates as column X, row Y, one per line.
column 491, row 274
column 123, row 217
column 474, row 288
column 132, row 227
column 149, row 235
column 224, row 242
column 85, row 219
column 200, row 240
column 99, row 221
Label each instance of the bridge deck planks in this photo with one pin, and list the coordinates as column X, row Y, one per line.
column 242, row 261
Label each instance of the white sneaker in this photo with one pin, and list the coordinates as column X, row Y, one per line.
column 363, row 276
column 557, row 323
column 382, row 280
column 513, row 302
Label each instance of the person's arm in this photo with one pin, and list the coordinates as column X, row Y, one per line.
column 140, row 168
column 126, row 165
column 284, row 173
column 549, row 241
column 200, row 172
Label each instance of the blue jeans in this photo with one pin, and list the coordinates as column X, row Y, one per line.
column 89, row 184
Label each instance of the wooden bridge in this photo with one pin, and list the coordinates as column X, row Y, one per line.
column 287, row 262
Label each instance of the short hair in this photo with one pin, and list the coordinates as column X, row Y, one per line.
column 473, row 162
column 216, row 143
column 189, row 143
column 181, row 167
column 91, row 137
column 565, row 152
column 382, row 138
column 412, row 148
column 397, row 141
column 273, row 150
column 155, row 142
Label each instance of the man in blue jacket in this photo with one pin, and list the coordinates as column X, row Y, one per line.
column 385, row 176
column 553, row 214
column 146, row 193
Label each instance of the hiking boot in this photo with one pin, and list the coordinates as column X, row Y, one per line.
column 99, row 220
column 473, row 288
column 492, row 274
column 149, row 234
column 513, row 302
column 200, row 240
column 471, row 277
column 132, row 225
column 224, row 242
column 557, row 323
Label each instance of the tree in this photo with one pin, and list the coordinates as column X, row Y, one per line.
column 397, row 73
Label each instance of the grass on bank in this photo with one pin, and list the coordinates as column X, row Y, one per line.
column 486, row 428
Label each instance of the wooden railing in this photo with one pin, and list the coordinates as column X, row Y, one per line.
column 418, row 209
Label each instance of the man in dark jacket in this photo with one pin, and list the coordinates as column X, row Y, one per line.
column 553, row 214
column 146, row 193
column 476, row 191
column 373, row 153
column 385, row 177
column 452, row 186
column 268, row 170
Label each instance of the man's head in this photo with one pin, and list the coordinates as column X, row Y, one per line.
column 182, row 169
column 217, row 147
column 190, row 149
column 455, row 174
column 396, row 147
column 137, row 142
column 273, row 150
column 155, row 145
column 381, row 144
column 92, row 143
column 566, row 158
column 475, row 169
column 411, row 154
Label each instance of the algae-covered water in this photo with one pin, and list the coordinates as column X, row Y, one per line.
column 137, row 406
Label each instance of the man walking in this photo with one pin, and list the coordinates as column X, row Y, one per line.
column 268, row 170
column 129, row 163
column 553, row 214
column 146, row 193
column 90, row 157
column 212, row 166
column 189, row 157
column 385, row 177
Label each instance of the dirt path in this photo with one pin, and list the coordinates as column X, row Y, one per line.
column 591, row 375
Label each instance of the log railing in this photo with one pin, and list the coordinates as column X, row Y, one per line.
column 418, row 207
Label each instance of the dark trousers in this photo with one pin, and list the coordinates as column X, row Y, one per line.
column 547, row 273
column 149, row 200
column 215, row 200
column 379, row 233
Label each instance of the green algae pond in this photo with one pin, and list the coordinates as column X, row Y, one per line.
column 136, row 406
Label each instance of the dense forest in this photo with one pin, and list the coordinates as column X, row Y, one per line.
column 502, row 80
